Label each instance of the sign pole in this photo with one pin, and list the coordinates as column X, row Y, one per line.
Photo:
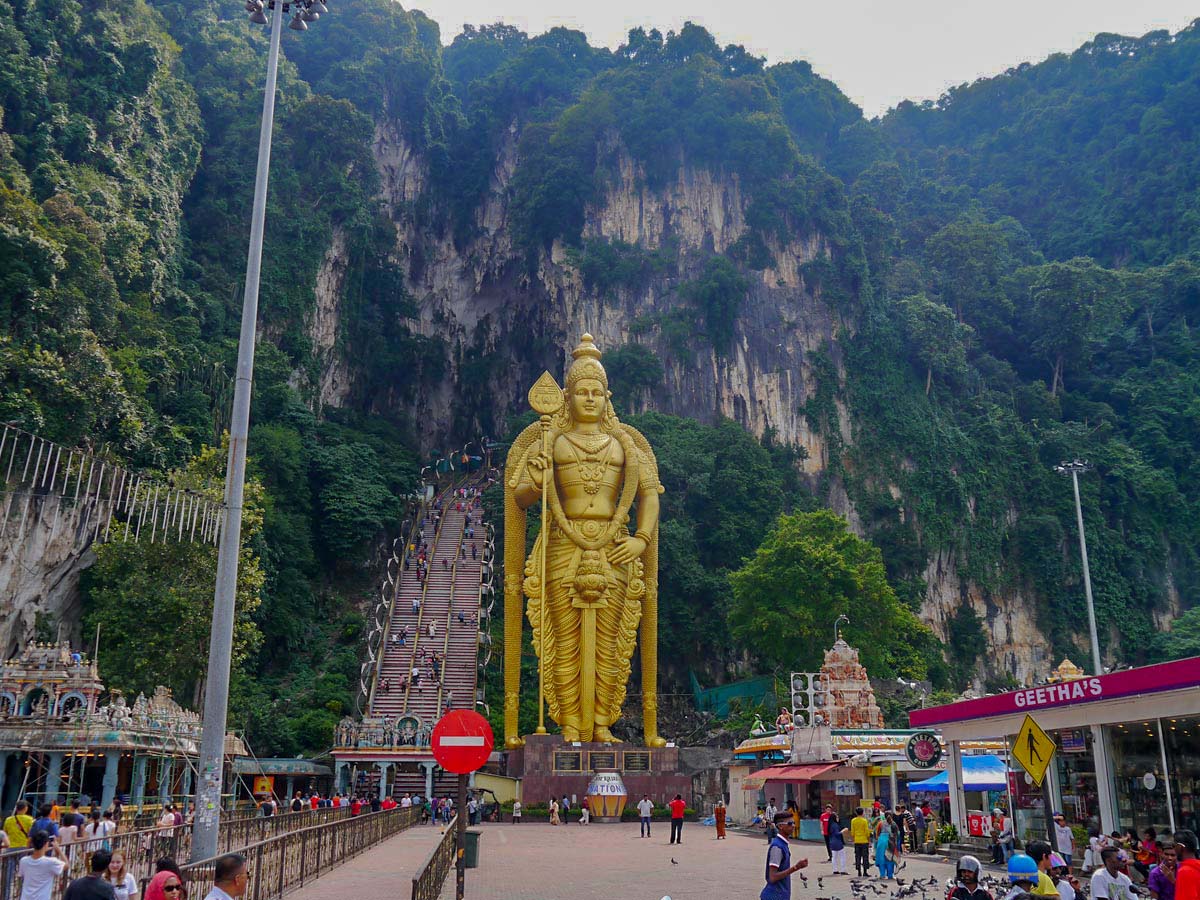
column 1047, row 802
column 460, row 841
column 461, row 743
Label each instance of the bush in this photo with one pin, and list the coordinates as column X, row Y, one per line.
column 947, row 834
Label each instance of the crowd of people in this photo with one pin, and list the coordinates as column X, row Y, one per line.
column 58, row 838
column 1167, row 869
column 428, row 663
column 434, row 810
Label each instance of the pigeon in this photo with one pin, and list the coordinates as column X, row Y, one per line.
column 820, row 882
column 674, row 862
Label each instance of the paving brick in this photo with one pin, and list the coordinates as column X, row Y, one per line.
column 600, row 862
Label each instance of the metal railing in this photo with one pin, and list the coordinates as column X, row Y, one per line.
column 142, row 847
column 281, row 864
column 428, row 882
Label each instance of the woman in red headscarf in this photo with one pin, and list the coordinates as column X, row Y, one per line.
column 165, row 886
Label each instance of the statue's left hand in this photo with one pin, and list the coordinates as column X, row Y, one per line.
column 627, row 551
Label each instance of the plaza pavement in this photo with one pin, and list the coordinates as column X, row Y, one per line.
column 602, row 862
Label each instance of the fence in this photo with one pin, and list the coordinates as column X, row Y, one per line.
column 427, row 883
column 281, row 864
column 142, row 847
column 37, row 477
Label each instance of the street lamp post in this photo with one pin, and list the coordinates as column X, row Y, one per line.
column 1073, row 469
column 216, row 691
column 1100, row 753
column 838, row 621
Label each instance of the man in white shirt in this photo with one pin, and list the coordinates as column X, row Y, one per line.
column 406, row 802
column 230, row 878
column 1108, row 883
column 1064, row 837
column 771, row 812
column 516, row 812
column 39, row 870
column 645, row 808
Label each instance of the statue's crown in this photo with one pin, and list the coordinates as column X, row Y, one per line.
column 586, row 364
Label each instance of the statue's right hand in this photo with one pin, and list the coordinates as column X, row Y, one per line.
column 538, row 464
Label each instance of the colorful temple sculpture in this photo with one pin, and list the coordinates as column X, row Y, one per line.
column 849, row 697
column 62, row 736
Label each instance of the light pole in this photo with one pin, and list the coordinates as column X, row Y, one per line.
column 838, row 621
column 220, row 648
column 1104, row 783
column 1073, row 469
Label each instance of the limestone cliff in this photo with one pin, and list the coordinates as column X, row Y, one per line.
column 42, row 553
column 483, row 302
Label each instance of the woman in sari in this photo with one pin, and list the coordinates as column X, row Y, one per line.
column 883, row 852
column 719, row 815
column 554, row 820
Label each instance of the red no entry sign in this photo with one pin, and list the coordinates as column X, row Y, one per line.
column 462, row 740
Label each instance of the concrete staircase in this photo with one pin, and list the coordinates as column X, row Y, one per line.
column 451, row 589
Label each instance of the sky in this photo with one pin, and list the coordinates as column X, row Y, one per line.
column 877, row 52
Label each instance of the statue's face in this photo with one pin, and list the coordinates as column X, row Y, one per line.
column 588, row 399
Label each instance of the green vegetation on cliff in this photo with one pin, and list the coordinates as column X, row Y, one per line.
column 1015, row 267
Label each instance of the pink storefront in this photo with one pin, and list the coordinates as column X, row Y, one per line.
column 1127, row 747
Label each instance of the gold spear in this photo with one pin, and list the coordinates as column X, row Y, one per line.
column 546, row 399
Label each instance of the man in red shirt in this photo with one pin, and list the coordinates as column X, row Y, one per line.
column 314, row 801
column 825, row 829
column 677, row 807
column 355, row 806
column 1187, row 872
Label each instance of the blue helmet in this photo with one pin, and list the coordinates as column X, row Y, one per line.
column 1021, row 867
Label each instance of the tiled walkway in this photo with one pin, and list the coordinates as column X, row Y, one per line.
column 385, row 871
column 600, row 862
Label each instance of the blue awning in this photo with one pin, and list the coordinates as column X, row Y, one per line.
column 980, row 773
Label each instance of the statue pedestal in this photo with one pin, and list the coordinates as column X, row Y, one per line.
column 549, row 767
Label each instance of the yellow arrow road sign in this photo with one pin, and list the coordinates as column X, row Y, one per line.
column 1033, row 750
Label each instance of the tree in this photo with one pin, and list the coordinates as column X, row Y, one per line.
column 1183, row 640
column 969, row 261
column 354, row 500
column 632, row 370
column 1074, row 305
column 936, row 339
column 718, row 293
column 153, row 601
column 809, row 570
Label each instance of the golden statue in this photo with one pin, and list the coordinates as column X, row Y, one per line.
column 603, row 581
